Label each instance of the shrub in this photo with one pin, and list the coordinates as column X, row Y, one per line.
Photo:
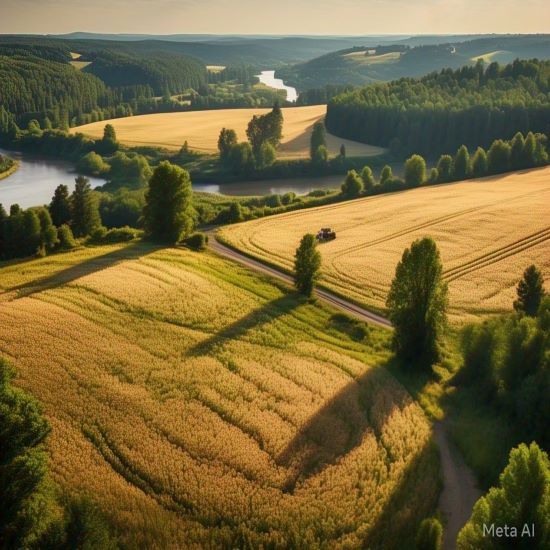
column 430, row 535
column 197, row 241
column 103, row 235
column 66, row 238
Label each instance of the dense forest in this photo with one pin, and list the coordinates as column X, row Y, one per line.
column 473, row 106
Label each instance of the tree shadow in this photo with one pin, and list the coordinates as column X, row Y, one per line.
column 74, row 272
column 340, row 426
column 263, row 315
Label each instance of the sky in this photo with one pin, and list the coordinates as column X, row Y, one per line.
column 342, row 17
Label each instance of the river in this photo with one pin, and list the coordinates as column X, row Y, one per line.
column 34, row 182
column 268, row 78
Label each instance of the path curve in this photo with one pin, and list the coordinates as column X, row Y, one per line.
column 460, row 491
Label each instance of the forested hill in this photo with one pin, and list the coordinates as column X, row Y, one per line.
column 439, row 112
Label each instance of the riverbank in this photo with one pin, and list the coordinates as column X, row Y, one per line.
column 12, row 168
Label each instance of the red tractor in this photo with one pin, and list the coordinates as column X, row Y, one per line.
column 326, row 234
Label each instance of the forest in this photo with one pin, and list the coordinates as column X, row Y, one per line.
column 473, row 105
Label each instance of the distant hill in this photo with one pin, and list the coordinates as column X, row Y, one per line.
column 364, row 64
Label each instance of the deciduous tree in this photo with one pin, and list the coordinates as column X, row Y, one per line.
column 307, row 264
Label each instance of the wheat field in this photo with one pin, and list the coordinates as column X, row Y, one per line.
column 201, row 130
column 202, row 406
column 488, row 231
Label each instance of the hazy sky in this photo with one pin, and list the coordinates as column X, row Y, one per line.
column 275, row 17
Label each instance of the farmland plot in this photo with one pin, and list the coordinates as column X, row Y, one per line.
column 202, row 406
column 488, row 231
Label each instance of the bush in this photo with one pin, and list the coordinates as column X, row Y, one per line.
column 430, row 535
column 197, row 241
column 102, row 235
column 66, row 238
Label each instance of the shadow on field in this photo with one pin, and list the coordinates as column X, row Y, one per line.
column 263, row 315
column 340, row 425
column 74, row 272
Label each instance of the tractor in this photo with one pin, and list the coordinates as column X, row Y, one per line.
column 326, row 234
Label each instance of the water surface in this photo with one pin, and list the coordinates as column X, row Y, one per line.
column 268, row 78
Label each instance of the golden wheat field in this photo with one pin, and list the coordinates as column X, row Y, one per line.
column 203, row 406
column 201, row 130
column 488, row 231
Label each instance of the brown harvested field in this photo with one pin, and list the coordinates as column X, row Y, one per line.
column 488, row 231
column 201, row 130
column 202, row 406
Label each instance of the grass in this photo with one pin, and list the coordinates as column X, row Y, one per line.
column 362, row 59
column 201, row 130
column 202, row 405
column 488, row 231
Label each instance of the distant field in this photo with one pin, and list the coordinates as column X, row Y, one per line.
column 488, row 231
column 363, row 59
column 500, row 56
column 201, row 130
column 201, row 406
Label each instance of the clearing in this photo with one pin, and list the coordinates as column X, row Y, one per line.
column 201, row 130
column 202, row 405
column 488, row 231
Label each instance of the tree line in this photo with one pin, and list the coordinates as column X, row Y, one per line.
column 473, row 105
column 519, row 153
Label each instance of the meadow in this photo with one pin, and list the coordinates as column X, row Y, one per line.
column 202, row 405
column 201, row 130
column 488, row 231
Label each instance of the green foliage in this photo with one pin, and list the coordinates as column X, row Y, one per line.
column 498, row 157
column 480, row 164
column 226, row 140
column 430, row 535
column 386, row 175
column 168, row 210
column 307, row 264
column 93, row 164
column 368, row 178
column 417, row 303
column 84, row 208
column 265, row 128
column 445, row 168
column 353, row 185
column 197, row 241
column 128, row 170
column 241, row 158
column 415, row 171
column 60, row 207
column 530, row 291
column 522, row 498
column 235, row 213
column 320, row 156
column 65, row 237
column 461, row 164
column 317, row 139
column 48, row 232
column 102, row 235
column 266, row 156
column 123, row 207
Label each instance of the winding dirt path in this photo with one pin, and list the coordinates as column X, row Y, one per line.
column 460, row 491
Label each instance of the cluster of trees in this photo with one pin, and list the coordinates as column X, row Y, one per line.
column 506, row 359
column 31, row 514
column 6, row 163
column 518, row 153
column 473, row 105
column 39, row 230
column 264, row 134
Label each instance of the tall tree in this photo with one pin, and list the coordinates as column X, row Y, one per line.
column 417, row 302
column 60, row 207
column 84, row 208
column 368, row 178
column 415, row 171
column 317, row 139
column 307, row 264
column 386, row 175
column 521, row 500
column 226, row 140
column 168, row 212
column 530, row 291
column 461, row 164
column 479, row 163
column 498, row 157
column 445, row 168
column 353, row 185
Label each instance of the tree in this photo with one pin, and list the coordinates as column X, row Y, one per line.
column 368, row 178
column 386, row 175
column 530, row 291
column 415, row 171
column 93, row 164
column 320, row 156
column 235, row 214
column 65, row 237
column 522, row 498
column 307, row 264
column 343, row 151
column 241, row 158
column 108, row 144
column 417, row 302
column 529, row 152
column 266, row 156
column 30, row 238
column 60, row 207
column 353, row 185
column 168, row 210
column 317, row 139
column 434, row 175
column 498, row 158
column 48, row 231
column 84, row 208
column 430, row 535
column 461, row 165
column 445, row 168
column 516, row 151
column 227, row 140
column 264, row 128
column 480, row 165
